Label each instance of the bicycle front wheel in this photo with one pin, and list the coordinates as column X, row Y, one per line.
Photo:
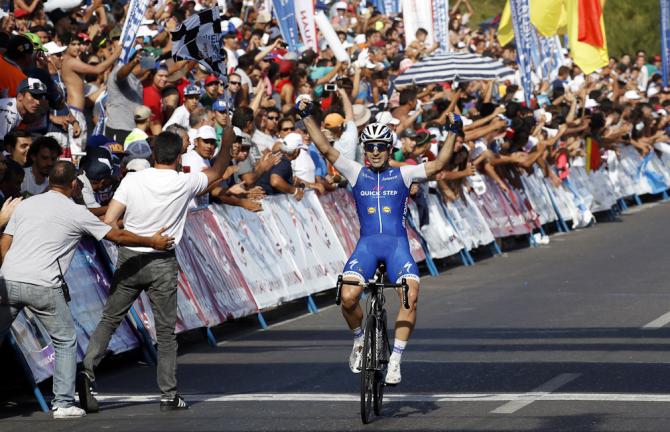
column 368, row 370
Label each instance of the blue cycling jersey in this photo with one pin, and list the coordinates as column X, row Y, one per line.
column 381, row 203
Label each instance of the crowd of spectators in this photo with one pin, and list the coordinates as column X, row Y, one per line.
column 66, row 95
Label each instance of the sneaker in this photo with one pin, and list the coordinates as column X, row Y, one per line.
column 356, row 358
column 68, row 412
column 393, row 373
column 85, row 390
column 178, row 403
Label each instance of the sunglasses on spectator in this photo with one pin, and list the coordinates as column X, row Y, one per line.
column 274, row 118
column 288, row 129
column 375, row 146
column 234, row 82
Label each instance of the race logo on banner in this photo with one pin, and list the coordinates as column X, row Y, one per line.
column 284, row 11
column 441, row 24
column 522, row 37
column 665, row 40
column 134, row 19
column 304, row 11
column 199, row 38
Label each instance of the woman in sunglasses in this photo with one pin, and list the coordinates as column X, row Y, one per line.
column 381, row 193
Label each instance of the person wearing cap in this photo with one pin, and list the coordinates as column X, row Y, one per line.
column 26, row 106
column 231, row 45
column 37, row 247
column 149, row 200
column 212, row 91
column 280, row 179
column 139, row 149
column 344, row 129
column 96, row 169
column 183, row 112
column 124, row 94
column 141, row 116
column 73, row 71
column 221, row 117
column 198, row 158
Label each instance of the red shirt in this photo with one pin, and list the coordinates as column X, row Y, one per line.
column 154, row 100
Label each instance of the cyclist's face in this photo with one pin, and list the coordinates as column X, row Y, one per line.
column 377, row 155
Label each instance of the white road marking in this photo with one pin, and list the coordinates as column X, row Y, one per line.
column 536, row 394
column 409, row 397
column 658, row 322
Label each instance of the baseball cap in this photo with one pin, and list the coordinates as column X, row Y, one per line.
column 53, row 48
column 192, row 91
column 408, row 133
column 386, row 118
column 137, row 165
column 142, row 112
column 423, row 137
column 97, row 141
column 340, row 5
column 98, row 168
column 33, row 86
column 333, row 120
column 291, row 142
column 220, row 105
column 36, row 41
column 139, row 149
column 206, row 132
column 211, row 79
column 19, row 46
column 632, row 95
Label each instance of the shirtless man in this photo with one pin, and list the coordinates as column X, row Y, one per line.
column 73, row 71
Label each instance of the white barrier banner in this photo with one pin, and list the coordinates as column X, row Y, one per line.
column 537, row 194
column 470, row 222
column 439, row 235
column 340, row 209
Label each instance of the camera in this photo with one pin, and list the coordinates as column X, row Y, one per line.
column 330, row 87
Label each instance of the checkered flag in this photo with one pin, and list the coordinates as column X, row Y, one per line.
column 200, row 38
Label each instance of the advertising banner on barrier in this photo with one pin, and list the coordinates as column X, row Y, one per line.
column 215, row 279
column 469, row 223
column 340, row 209
column 537, row 195
column 441, row 238
column 35, row 345
column 269, row 271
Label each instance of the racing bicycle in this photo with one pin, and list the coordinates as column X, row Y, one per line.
column 376, row 346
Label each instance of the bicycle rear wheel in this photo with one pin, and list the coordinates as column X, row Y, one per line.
column 384, row 351
column 368, row 372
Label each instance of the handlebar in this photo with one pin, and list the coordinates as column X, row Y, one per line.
column 403, row 285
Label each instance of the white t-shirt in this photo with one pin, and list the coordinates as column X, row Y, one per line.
column 348, row 142
column 196, row 164
column 30, row 185
column 231, row 59
column 180, row 116
column 157, row 198
column 303, row 167
column 261, row 142
column 9, row 116
column 46, row 228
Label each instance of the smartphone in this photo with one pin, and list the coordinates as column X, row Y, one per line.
column 330, row 87
column 147, row 61
column 265, row 39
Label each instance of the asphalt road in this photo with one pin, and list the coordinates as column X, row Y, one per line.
column 572, row 336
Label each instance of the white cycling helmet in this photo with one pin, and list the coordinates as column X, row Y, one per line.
column 378, row 133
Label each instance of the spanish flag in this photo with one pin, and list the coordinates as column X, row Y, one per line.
column 586, row 32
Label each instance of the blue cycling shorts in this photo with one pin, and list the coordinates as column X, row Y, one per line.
column 392, row 250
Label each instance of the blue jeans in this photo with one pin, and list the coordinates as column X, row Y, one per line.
column 49, row 306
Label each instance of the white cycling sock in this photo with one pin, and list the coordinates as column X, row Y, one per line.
column 358, row 336
column 398, row 349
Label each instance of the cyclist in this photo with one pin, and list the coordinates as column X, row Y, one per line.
column 381, row 193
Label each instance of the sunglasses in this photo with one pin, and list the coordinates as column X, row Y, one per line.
column 234, row 82
column 274, row 118
column 375, row 146
column 288, row 129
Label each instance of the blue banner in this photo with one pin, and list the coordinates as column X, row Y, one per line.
column 285, row 13
column 665, row 39
column 136, row 11
column 441, row 24
column 522, row 37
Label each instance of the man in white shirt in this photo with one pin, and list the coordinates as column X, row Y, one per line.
column 37, row 247
column 43, row 153
column 183, row 112
column 26, row 104
column 265, row 138
column 154, row 197
column 197, row 160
